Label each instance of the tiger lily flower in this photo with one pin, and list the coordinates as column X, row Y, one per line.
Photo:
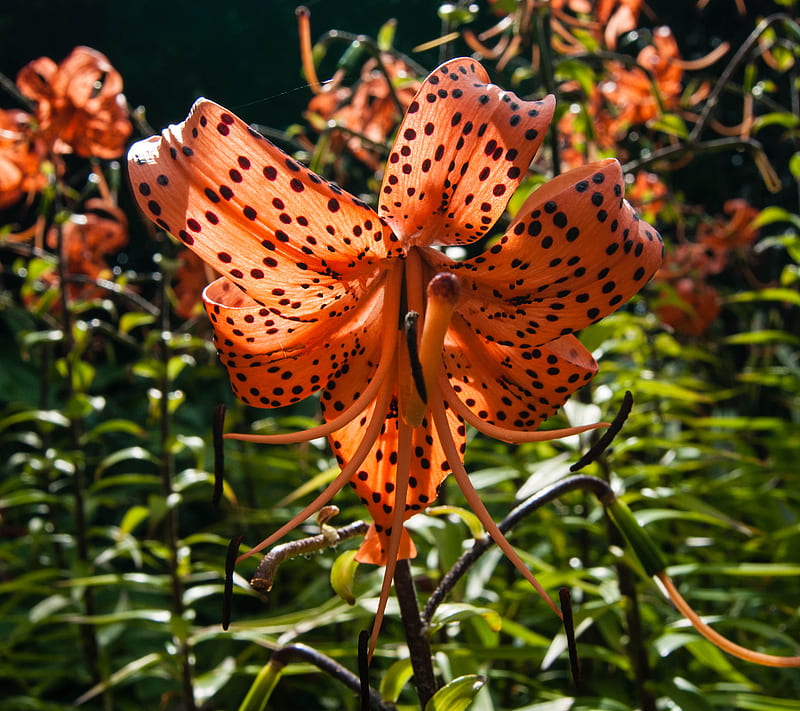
column 319, row 293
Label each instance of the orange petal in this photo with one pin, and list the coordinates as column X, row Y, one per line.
column 291, row 239
column 514, row 388
column 461, row 151
column 375, row 481
column 576, row 252
column 272, row 361
column 34, row 79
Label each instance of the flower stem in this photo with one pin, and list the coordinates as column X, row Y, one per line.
column 543, row 32
column 91, row 650
column 171, row 517
column 419, row 647
column 578, row 482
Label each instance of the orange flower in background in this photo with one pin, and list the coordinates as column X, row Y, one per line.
column 320, row 293
column 191, row 278
column 734, row 234
column 88, row 238
column 688, row 306
column 21, row 156
column 368, row 110
column 630, row 92
column 79, row 103
column 586, row 132
column 688, row 303
column 647, row 194
column 616, row 17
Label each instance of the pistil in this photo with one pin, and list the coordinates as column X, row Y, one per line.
column 442, row 294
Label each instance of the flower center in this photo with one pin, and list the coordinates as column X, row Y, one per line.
column 423, row 355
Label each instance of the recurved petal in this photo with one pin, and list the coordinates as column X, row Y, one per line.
column 253, row 213
column 34, row 80
column 514, row 388
column 274, row 361
column 461, row 151
column 575, row 253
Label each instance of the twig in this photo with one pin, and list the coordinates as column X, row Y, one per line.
column 172, row 536
column 265, row 573
column 301, row 652
column 219, row 454
column 89, row 643
column 751, row 145
column 548, row 77
column 733, row 65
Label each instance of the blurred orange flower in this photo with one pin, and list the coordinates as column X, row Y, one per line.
column 688, row 302
column 647, row 193
column 79, row 103
column 688, row 306
column 734, row 234
column 191, row 278
column 367, row 110
column 616, row 17
column 20, row 158
column 638, row 96
column 88, row 237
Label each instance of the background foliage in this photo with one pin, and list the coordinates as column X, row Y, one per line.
column 110, row 543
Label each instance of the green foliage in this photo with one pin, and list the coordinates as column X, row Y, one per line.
column 111, row 546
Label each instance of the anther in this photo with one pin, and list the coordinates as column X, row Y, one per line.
column 410, row 326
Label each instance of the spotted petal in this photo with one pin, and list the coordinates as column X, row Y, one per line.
column 575, row 253
column 293, row 241
column 461, row 151
column 273, row 362
column 514, row 388
column 376, row 480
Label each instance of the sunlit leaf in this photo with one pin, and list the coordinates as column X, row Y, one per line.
column 456, row 695
column 455, row 612
column 395, row 678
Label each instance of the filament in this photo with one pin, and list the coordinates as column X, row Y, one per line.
column 767, row 660
column 502, row 433
column 370, row 435
column 475, row 502
column 398, row 516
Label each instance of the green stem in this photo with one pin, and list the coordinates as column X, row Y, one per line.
column 171, row 516
column 87, row 631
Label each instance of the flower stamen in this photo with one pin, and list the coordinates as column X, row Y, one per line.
column 398, row 515
column 503, row 433
column 476, row 504
column 370, row 435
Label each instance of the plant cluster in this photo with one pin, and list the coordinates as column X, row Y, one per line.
column 120, row 534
